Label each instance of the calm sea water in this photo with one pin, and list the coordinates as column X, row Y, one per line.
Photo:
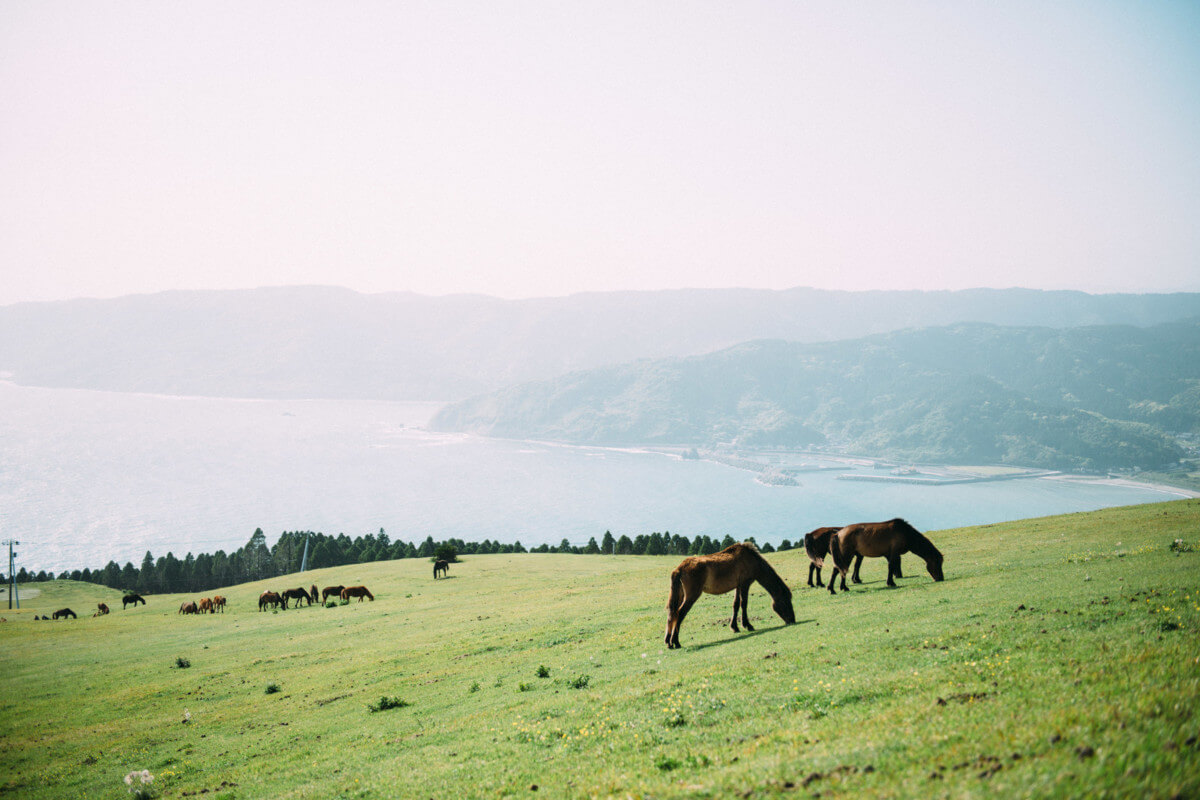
column 86, row 477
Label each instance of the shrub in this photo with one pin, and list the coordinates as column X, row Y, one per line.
column 182, row 662
column 474, row 687
column 272, row 688
column 386, row 702
column 581, row 682
column 523, row 687
column 543, row 671
column 1180, row 546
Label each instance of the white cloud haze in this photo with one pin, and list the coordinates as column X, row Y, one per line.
column 522, row 149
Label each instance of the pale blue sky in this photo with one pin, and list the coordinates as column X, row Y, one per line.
column 522, row 149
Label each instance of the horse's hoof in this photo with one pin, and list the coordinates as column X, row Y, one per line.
column 748, row 626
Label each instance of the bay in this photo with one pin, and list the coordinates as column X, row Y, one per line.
column 89, row 476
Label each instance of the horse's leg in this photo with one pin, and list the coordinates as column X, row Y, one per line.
column 819, row 581
column 811, row 568
column 857, row 564
column 737, row 604
column 899, row 572
column 745, row 605
column 893, row 569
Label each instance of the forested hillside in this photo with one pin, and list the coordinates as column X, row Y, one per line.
column 1084, row 398
column 324, row 342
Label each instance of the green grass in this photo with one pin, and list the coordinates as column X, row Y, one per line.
column 1061, row 657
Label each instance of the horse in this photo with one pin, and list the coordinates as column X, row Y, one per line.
column 735, row 567
column 312, row 594
column 268, row 598
column 357, row 591
column 442, row 566
column 188, row 607
column 218, row 603
column 63, row 613
column 331, row 591
column 101, row 610
column 205, row 606
column 816, row 544
column 888, row 539
column 298, row 594
column 132, row 598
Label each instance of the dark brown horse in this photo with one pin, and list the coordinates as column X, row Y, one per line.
column 816, row 544
column 889, row 540
column 734, row 568
column 331, row 591
column 357, row 591
column 101, row 610
column 188, row 607
column 442, row 566
column 298, row 594
column 63, row 613
column 218, row 603
column 132, row 598
column 268, row 599
column 312, row 594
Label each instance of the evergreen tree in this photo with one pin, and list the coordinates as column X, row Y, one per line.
column 624, row 546
column 147, row 577
column 608, row 543
column 592, row 547
column 427, row 548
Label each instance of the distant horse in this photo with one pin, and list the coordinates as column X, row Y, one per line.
column 132, row 598
column 101, row 610
column 442, row 566
column 218, row 603
column 357, row 591
column 63, row 613
column 188, row 607
column 268, row 599
column 816, row 544
column 205, row 606
column 331, row 591
column 312, row 594
column 888, row 539
column 297, row 594
column 735, row 567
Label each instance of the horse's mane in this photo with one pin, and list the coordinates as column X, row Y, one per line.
column 918, row 543
column 766, row 574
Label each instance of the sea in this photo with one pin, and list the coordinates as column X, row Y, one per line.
column 90, row 476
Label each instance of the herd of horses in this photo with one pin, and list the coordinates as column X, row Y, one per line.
column 739, row 565
column 280, row 599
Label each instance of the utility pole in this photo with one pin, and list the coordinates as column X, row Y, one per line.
column 304, row 558
column 12, row 575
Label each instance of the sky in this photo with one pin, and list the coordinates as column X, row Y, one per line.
column 523, row 149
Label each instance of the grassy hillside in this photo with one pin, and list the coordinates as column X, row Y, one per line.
column 1059, row 658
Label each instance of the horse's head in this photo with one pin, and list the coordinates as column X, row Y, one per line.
column 782, row 606
column 934, row 565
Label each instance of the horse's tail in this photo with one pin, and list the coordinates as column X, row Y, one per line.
column 835, row 550
column 675, row 597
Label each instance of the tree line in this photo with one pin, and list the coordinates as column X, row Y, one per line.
column 257, row 561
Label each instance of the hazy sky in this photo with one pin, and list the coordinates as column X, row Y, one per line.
column 521, row 149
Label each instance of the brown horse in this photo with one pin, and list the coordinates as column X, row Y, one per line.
column 101, row 610
column 205, row 606
column 188, row 607
column 218, row 603
column 816, row 544
column 357, row 591
column 442, row 566
column 132, row 598
column 298, row 594
column 312, row 594
column 889, row 540
column 735, row 567
column 331, row 591
column 63, row 613
column 268, row 599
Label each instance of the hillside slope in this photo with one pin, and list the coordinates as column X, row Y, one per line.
column 1082, row 398
column 324, row 342
column 1073, row 674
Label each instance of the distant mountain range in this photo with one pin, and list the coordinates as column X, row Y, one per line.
column 1094, row 397
column 321, row 342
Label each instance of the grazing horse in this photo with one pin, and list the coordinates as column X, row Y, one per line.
column 101, row 610
column 268, row 599
column 218, row 602
column 312, row 594
column 357, row 591
column 735, row 567
column 132, row 598
column 297, row 594
column 63, row 613
column 331, row 591
column 816, row 544
column 442, row 566
column 205, row 606
column 888, row 539
column 188, row 607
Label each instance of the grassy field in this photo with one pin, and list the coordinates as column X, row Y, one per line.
column 1061, row 657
